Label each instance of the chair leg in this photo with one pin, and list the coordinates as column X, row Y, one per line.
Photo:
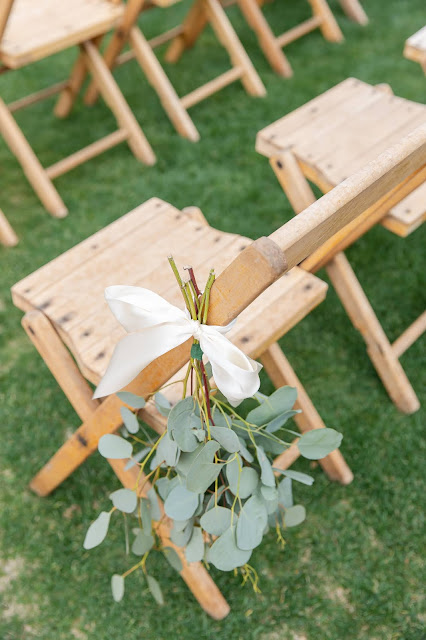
column 281, row 373
column 267, row 40
column 354, row 10
column 67, row 97
column 193, row 25
column 7, row 235
column 69, row 378
column 115, row 100
column 162, row 85
column 229, row 39
column 351, row 294
column 329, row 27
column 365, row 320
column 30, row 164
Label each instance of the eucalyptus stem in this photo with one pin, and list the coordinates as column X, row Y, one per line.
column 188, row 292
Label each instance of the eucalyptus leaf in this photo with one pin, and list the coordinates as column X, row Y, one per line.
column 117, row 587
column 181, row 504
column 269, row 493
column 194, row 551
column 97, row 531
column 134, row 401
column 209, row 370
column 186, row 460
column 130, row 420
column 222, row 420
column 203, row 471
column 142, row 543
column 280, row 401
column 294, row 515
column 267, row 475
column 155, row 590
column 145, row 511
column 248, row 480
column 280, row 420
column 318, row 443
column 182, row 420
column 173, row 558
column 252, row 521
column 227, row 438
column 114, row 447
column 245, row 453
column 168, row 451
column 162, row 404
column 181, row 537
column 224, row 553
column 296, row 475
column 285, row 493
column 124, row 500
column 137, row 457
column 164, row 486
column 155, row 507
column 216, row 521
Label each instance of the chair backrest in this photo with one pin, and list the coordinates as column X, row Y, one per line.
column 391, row 176
column 5, row 9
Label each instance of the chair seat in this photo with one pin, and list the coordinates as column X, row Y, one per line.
column 39, row 28
column 415, row 47
column 133, row 251
column 340, row 131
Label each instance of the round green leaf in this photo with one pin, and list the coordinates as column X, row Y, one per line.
column 117, row 587
column 134, row 401
column 155, row 590
column 280, row 420
column 182, row 420
column 318, row 443
column 251, row 524
column 155, row 506
column 142, row 543
column 279, row 402
column 180, row 537
column 224, row 553
column 294, row 515
column 227, row 438
column 173, row 558
column 124, row 500
column 194, row 551
column 296, row 475
column 285, row 492
column 216, row 521
column 248, row 481
column 203, row 472
column 267, row 475
column 114, row 447
column 181, row 504
column 97, row 531
column 162, row 404
column 168, row 451
column 130, row 420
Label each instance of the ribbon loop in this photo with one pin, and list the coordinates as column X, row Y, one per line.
column 155, row 326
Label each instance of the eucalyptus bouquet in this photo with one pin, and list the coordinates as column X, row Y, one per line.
column 213, row 465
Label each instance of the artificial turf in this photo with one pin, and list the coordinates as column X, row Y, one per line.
column 353, row 570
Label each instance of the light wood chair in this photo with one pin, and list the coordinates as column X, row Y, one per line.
column 324, row 141
column 31, row 31
column 63, row 310
column 7, row 235
column 415, row 48
column 272, row 45
column 201, row 14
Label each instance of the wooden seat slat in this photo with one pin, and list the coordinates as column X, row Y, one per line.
column 409, row 214
column 38, row 29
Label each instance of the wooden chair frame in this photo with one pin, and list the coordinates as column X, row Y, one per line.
column 7, row 235
column 384, row 355
column 41, row 178
column 202, row 12
column 354, row 11
column 272, row 45
column 415, row 48
column 389, row 178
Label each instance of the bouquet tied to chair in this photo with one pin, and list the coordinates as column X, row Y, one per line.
column 212, row 465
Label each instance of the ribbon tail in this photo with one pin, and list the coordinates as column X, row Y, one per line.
column 136, row 351
column 235, row 374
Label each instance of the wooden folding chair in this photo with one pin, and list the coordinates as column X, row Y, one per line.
column 202, row 13
column 272, row 45
column 31, row 31
column 7, row 235
column 324, row 141
column 354, row 11
column 415, row 48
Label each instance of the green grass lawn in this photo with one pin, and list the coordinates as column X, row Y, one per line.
column 353, row 570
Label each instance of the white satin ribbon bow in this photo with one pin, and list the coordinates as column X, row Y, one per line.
column 155, row 326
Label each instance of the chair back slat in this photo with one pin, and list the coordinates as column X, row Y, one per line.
column 5, row 9
column 264, row 261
